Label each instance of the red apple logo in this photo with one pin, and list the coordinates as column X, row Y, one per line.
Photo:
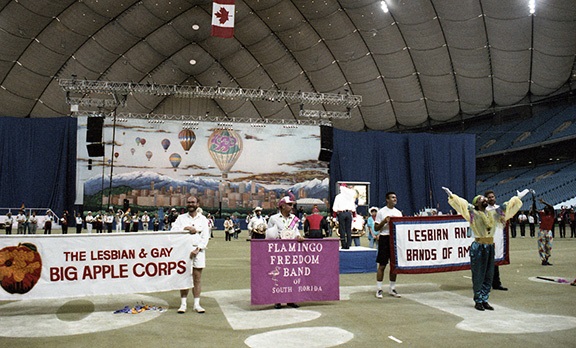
column 20, row 268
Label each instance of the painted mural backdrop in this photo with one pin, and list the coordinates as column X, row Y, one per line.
column 236, row 168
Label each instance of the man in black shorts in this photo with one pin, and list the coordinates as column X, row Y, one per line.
column 381, row 223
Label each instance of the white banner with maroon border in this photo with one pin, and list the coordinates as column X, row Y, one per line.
column 432, row 244
column 60, row 266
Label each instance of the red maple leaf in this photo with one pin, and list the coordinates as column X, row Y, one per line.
column 223, row 15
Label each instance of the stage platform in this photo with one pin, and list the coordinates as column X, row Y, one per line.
column 358, row 260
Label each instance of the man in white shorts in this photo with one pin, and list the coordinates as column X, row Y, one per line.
column 197, row 225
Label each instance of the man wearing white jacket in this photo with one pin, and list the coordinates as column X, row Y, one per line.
column 197, row 225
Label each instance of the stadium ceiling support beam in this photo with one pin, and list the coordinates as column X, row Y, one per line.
column 183, row 91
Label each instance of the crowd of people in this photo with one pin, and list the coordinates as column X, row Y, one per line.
column 484, row 215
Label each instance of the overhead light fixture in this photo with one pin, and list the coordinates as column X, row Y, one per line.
column 532, row 6
column 385, row 7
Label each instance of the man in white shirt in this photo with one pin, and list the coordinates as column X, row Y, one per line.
column 145, row 221
column 344, row 207
column 197, row 224
column 381, row 223
column 257, row 225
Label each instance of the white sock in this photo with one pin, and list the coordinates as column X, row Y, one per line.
column 392, row 286
column 183, row 301
column 196, row 301
column 379, row 285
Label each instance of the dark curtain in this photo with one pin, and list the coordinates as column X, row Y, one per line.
column 38, row 162
column 415, row 166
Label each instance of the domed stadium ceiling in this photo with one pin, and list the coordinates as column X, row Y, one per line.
column 422, row 63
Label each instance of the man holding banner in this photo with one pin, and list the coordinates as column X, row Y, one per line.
column 197, row 225
column 284, row 225
column 381, row 223
column 483, row 224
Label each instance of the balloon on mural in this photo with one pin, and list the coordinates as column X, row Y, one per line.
column 132, row 150
column 175, row 160
column 142, row 141
column 116, row 154
column 137, row 141
column 148, row 155
column 225, row 146
column 165, row 144
column 187, row 139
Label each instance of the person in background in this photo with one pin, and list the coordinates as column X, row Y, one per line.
column 89, row 219
column 228, row 228
column 236, row 223
column 98, row 222
column 8, row 223
column 197, row 225
column 257, row 225
column 48, row 222
column 572, row 217
column 64, row 221
column 545, row 236
column 33, row 223
column 118, row 219
column 532, row 223
column 513, row 223
column 372, row 233
column 345, row 207
column 156, row 223
column 522, row 220
column 315, row 225
column 491, row 197
column 135, row 222
column 109, row 220
column 21, row 220
column 79, row 222
column 145, row 221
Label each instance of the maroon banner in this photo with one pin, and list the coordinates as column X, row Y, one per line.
column 285, row 271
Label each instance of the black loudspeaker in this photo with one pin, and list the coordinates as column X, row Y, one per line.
column 94, row 129
column 95, row 150
column 126, row 204
column 326, row 143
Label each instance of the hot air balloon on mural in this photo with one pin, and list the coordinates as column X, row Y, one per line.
column 116, row 154
column 175, row 160
column 165, row 144
column 132, row 150
column 142, row 141
column 225, row 146
column 148, row 155
column 187, row 139
column 137, row 141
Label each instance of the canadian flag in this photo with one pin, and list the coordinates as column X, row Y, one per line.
column 223, row 18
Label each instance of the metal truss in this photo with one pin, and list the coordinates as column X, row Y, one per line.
column 189, row 121
column 184, row 91
column 325, row 114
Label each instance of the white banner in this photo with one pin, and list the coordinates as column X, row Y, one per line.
column 436, row 244
column 59, row 266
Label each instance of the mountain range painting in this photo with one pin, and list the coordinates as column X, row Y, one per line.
column 232, row 167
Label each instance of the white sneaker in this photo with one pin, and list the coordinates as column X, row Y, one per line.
column 393, row 293
column 199, row 309
column 182, row 308
column 379, row 294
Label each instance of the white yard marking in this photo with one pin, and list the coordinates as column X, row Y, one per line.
column 501, row 320
column 309, row 337
column 64, row 317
